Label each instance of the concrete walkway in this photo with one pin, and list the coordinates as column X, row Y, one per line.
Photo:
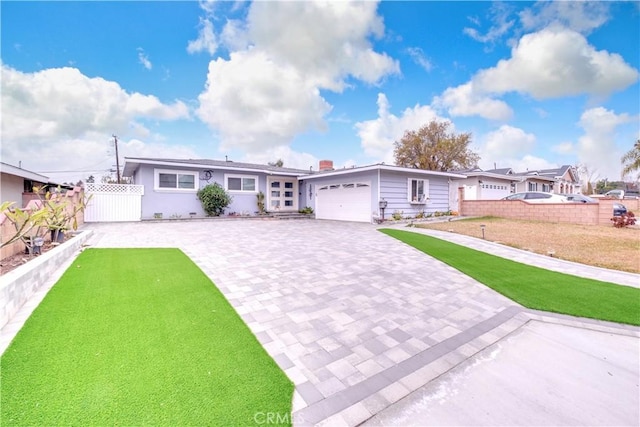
column 356, row 319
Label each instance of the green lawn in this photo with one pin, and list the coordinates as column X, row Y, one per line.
column 138, row 337
column 533, row 287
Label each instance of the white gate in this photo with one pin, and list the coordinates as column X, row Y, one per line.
column 113, row 202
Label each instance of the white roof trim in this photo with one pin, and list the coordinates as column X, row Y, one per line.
column 23, row 173
column 382, row 167
column 202, row 166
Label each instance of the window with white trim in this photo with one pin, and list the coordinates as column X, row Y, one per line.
column 241, row 183
column 175, row 180
column 418, row 189
column 533, row 186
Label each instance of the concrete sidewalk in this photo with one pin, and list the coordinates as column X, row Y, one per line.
column 542, row 374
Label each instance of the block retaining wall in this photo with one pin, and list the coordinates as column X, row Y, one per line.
column 17, row 286
column 574, row 213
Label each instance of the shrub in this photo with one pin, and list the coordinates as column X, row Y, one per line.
column 624, row 220
column 214, row 199
column 397, row 215
column 307, row 210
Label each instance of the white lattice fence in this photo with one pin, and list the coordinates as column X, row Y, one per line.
column 113, row 202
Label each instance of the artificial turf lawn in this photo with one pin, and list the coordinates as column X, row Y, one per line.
column 533, row 287
column 138, row 337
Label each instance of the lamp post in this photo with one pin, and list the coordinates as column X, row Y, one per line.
column 482, row 226
column 382, row 204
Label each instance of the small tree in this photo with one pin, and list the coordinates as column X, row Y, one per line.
column 433, row 147
column 214, row 199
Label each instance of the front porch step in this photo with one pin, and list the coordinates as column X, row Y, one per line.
column 289, row 215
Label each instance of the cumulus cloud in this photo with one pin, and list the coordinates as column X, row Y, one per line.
column 269, row 88
column 59, row 116
column 507, row 142
column 257, row 104
column 563, row 148
column 597, row 147
column 580, row 16
column 207, row 41
column 509, row 146
column 551, row 63
column 465, row 100
column 377, row 136
column 556, row 62
column 290, row 158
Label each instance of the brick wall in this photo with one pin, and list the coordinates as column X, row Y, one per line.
column 7, row 230
column 573, row 213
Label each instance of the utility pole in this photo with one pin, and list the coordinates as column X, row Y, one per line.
column 115, row 142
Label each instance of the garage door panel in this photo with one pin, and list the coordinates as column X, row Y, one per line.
column 344, row 202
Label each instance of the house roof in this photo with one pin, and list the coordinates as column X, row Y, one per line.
column 382, row 166
column 501, row 171
column 132, row 163
column 491, row 174
column 23, row 173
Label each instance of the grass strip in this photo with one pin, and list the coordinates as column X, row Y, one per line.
column 533, row 287
column 138, row 337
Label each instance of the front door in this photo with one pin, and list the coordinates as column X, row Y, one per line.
column 282, row 194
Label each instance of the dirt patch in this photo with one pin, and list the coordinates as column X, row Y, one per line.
column 12, row 262
column 601, row 246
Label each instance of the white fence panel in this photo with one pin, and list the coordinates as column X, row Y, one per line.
column 113, row 202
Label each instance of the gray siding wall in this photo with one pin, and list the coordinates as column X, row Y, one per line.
column 11, row 188
column 394, row 188
column 170, row 203
column 366, row 176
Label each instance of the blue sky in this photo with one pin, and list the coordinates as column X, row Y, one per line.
column 537, row 85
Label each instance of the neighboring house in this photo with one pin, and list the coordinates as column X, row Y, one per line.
column 15, row 181
column 352, row 194
column 487, row 185
column 495, row 184
column 566, row 179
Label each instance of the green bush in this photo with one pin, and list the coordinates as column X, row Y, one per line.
column 214, row 199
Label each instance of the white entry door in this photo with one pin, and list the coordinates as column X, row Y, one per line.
column 282, row 194
column 344, row 202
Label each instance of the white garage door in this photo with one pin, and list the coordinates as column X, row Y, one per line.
column 495, row 191
column 344, row 202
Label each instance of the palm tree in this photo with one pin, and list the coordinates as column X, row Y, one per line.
column 631, row 159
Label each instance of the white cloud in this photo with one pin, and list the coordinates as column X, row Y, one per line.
column 510, row 147
column 378, row 136
column 552, row 63
column 268, row 90
column 506, row 142
column 581, row 16
column 597, row 148
column 143, row 58
column 61, row 119
column 465, row 100
column 62, row 102
column 256, row 104
column 557, row 62
column 206, row 41
column 419, row 58
column 290, row 158
column 327, row 41
column 564, row 148
column 501, row 24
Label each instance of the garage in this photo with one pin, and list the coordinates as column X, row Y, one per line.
column 344, row 202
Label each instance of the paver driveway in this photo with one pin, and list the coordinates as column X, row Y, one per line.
column 353, row 316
